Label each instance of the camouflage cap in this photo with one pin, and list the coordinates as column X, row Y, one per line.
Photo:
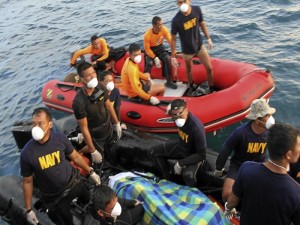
column 260, row 108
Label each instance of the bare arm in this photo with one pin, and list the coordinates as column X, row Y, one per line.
column 27, row 191
column 79, row 161
column 83, row 124
column 204, row 30
column 232, row 201
column 173, row 45
column 111, row 110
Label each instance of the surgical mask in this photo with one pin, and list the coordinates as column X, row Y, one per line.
column 110, row 86
column 180, row 122
column 38, row 133
column 184, row 7
column 270, row 122
column 137, row 59
column 92, row 83
column 117, row 210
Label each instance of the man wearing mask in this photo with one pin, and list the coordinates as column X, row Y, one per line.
column 248, row 143
column 136, row 83
column 267, row 194
column 187, row 23
column 190, row 149
column 94, row 113
column 46, row 158
column 107, row 209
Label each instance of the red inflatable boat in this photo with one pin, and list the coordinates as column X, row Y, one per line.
column 237, row 84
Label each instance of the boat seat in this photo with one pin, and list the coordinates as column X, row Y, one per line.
column 169, row 92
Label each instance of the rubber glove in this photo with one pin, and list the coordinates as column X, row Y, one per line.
column 154, row 101
column 219, row 173
column 96, row 157
column 177, row 169
column 31, row 217
column 210, row 44
column 174, row 62
column 229, row 213
column 118, row 129
column 157, row 62
column 96, row 178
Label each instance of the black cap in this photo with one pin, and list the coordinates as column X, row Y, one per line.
column 178, row 103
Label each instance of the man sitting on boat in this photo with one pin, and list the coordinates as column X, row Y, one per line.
column 190, row 149
column 137, row 83
column 248, row 142
column 155, row 50
column 103, row 57
column 108, row 209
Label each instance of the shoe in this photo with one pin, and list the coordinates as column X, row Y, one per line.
column 190, row 91
column 171, row 85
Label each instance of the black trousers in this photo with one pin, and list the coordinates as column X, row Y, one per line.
column 163, row 55
column 172, row 150
column 61, row 213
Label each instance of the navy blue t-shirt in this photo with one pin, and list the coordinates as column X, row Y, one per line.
column 192, row 139
column 48, row 162
column 188, row 28
column 246, row 145
column 115, row 97
column 267, row 197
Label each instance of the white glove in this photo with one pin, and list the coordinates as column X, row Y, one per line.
column 219, row 173
column 157, row 62
column 118, row 129
column 177, row 169
column 124, row 126
column 168, row 109
column 229, row 213
column 31, row 218
column 96, row 157
column 210, row 44
column 154, row 101
column 96, row 178
column 174, row 62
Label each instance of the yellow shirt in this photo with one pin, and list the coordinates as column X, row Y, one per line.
column 103, row 50
column 151, row 39
column 130, row 78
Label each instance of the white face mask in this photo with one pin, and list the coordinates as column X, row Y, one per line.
column 184, row 7
column 137, row 59
column 110, row 86
column 180, row 122
column 38, row 133
column 270, row 122
column 92, row 83
column 117, row 210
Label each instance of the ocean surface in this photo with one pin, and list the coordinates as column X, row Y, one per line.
column 36, row 38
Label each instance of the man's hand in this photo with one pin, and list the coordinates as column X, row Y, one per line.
column 157, row 62
column 210, row 44
column 96, row 157
column 174, row 62
column 177, row 169
column 229, row 213
column 95, row 177
column 219, row 173
column 118, row 129
column 31, row 217
column 154, row 101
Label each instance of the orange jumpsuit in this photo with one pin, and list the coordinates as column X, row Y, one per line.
column 104, row 51
column 130, row 78
column 151, row 40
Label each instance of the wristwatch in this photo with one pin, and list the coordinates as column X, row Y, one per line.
column 91, row 171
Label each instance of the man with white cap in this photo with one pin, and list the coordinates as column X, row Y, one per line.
column 247, row 142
